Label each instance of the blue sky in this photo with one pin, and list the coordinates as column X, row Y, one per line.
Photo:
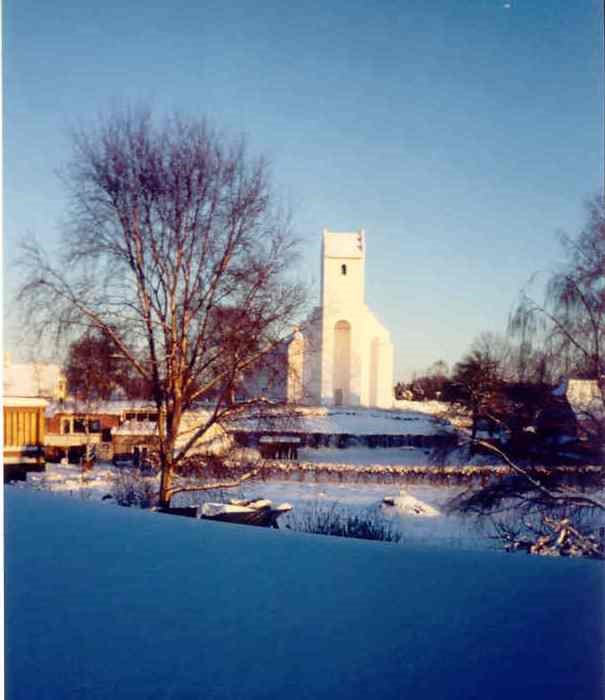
column 461, row 135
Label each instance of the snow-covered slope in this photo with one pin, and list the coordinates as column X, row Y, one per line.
column 349, row 421
column 107, row 602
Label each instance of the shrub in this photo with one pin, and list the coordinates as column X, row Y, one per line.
column 340, row 522
column 131, row 488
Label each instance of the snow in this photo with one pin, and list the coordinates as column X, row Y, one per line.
column 433, row 408
column 585, row 398
column 410, row 505
column 136, row 427
column 31, row 379
column 116, row 602
column 356, row 421
column 112, row 407
column 23, row 402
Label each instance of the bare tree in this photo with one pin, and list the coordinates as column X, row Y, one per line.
column 476, row 388
column 176, row 251
column 570, row 321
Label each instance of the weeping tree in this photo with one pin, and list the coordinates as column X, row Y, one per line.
column 175, row 251
column 566, row 330
column 570, row 320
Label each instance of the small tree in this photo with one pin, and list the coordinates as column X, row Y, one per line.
column 479, row 384
column 95, row 370
column 176, row 252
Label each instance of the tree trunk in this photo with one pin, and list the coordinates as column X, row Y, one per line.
column 475, row 419
column 165, row 485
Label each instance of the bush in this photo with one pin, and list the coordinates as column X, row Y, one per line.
column 339, row 522
column 131, row 488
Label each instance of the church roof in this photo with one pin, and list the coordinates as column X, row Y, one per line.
column 344, row 245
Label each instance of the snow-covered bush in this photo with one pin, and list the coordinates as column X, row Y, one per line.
column 130, row 487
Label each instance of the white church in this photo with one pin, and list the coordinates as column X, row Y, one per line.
column 342, row 355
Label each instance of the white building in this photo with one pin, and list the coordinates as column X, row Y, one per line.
column 344, row 355
column 33, row 380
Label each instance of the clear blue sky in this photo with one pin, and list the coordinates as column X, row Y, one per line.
column 460, row 134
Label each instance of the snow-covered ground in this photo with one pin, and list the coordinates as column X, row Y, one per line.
column 105, row 602
column 309, row 496
column 358, row 421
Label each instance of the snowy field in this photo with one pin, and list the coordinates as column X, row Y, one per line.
column 410, row 421
column 105, row 602
column 309, row 496
column 312, row 496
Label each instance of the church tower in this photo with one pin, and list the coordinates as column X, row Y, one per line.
column 348, row 354
column 342, row 300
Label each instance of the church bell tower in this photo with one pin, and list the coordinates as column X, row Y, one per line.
column 342, row 298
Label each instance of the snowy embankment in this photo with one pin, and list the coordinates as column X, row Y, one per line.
column 105, row 602
column 357, row 421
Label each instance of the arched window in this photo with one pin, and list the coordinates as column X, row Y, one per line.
column 343, row 269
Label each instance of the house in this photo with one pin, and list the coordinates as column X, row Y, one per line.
column 71, row 426
column 135, row 439
column 24, row 430
column 573, row 419
column 116, row 430
column 33, row 380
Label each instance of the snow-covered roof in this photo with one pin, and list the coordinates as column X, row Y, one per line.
column 101, row 407
column 190, row 422
column 344, row 245
column 136, row 427
column 585, row 397
column 23, row 402
column 31, row 379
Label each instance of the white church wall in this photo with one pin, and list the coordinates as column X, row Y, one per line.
column 380, row 363
column 295, row 379
column 312, row 369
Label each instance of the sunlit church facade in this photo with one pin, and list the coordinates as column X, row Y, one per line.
column 342, row 355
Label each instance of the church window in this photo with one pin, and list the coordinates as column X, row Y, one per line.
column 343, row 269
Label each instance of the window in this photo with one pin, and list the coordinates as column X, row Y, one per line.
column 66, row 428
column 79, row 425
column 343, row 269
column 94, row 426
